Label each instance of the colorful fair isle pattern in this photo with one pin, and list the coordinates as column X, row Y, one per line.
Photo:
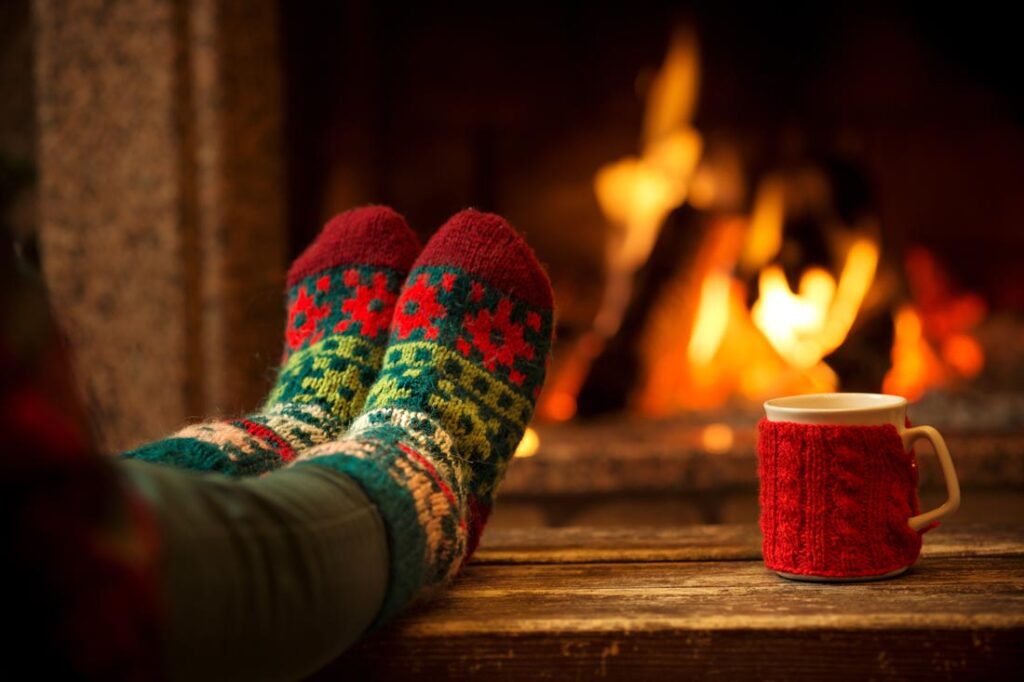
column 457, row 388
column 406, row 464
column 338, row 316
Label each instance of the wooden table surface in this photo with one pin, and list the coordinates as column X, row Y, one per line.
column 638, row 604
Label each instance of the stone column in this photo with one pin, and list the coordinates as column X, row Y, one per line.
column 161, row 203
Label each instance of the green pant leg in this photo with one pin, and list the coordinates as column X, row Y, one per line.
column 264, row 578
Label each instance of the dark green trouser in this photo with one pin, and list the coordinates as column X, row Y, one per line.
column 266, row 578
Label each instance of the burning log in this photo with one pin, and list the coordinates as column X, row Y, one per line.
column 613, row 374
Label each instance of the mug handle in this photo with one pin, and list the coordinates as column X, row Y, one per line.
column 952, row 503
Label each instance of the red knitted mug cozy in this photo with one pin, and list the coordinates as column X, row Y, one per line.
column 835, row 500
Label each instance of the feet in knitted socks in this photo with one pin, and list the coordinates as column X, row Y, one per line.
column 341, row 294
column 466, row 359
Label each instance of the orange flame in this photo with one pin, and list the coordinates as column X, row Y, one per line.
column 636, row 193
column 703, row 345
column 765, row 235
column 712, row 318
column 805, row 327
column 915, row 367
column 939, row 319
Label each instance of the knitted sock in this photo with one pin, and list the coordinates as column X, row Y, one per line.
column 341, row 294
column 469, row 341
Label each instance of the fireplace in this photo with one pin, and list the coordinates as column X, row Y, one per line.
column 732, row 207
column 732, row 204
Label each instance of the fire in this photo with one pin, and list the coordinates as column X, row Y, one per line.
column 636, row 193
column 765, row 236
column 915, row 366
column 529, row 445
column 703, row 344
column 712, row 318
column 806, row 326
column 939, row 318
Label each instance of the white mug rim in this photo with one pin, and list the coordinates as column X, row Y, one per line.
column 817, row 404
column 840, row 408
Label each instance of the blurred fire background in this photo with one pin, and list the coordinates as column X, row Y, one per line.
column 734, row 202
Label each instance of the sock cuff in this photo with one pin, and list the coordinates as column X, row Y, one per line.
column 195, row 454
column 420, row 496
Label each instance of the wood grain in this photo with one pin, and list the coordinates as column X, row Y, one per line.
column 695, row 543
column 640, row 604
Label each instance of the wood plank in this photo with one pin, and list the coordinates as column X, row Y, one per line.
column 612, row 603
column 583, row 544
column 729, row 619
column 676, row 596
column 816, row 655
column 703, row 543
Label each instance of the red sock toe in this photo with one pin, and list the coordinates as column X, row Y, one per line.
column 486, row 246
column 371, row 235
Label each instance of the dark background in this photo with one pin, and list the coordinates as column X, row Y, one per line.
column 512, row 107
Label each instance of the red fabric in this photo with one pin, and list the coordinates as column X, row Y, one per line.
column 835, row 500
column 79, row 552
column 371, row 235
column 486, row 246
column 268, row 435
column 478, row 515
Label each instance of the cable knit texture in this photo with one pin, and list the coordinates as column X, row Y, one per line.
column 469, row 341
column 835, row 500
column 341, row 293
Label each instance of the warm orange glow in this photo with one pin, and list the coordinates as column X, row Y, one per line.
column 940, row 318
column 529, row 445
column 712, row 318
column 964, row 354
column 703, row 344
column 558, row 400
column 717, row 438
column 701, row 347
column 854, row 283
column 765, row 236
column 636, row 193
column 914, row 364
column 560, row 407
column 806, row 326
column 673, row 93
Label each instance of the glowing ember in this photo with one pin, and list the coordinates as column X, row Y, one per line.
column 717, row 438
column 964, row 354
column 529, row 445
column 940, row 318
column 915, row 366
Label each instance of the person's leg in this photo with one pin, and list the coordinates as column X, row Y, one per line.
column 274, row 576
column 461, row 374
column 341, row 293
column 266, row 578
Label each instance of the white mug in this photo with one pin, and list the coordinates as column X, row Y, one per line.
column 871, row 409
